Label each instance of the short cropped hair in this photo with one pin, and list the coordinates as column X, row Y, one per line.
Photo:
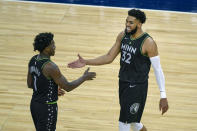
column 138, row 14
column 42, row 40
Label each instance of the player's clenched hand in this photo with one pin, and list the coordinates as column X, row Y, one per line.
column 163, row 105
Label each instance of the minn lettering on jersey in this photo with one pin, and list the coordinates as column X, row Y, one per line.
column 127, row 52
column 35, row 70
column 128, row 48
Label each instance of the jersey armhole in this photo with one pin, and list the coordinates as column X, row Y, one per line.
column 142, row 45
column 43, row 67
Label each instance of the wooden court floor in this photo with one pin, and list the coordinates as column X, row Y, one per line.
column 91, row 31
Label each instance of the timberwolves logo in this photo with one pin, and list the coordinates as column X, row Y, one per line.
column 134, row 108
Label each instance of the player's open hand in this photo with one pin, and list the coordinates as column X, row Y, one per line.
column 78, row 63
column 89, row 75
column 163, row 105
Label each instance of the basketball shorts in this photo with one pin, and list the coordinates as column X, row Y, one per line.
column 132, row 99
column 44, row 116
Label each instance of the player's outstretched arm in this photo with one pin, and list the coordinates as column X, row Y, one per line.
column 101, row 60
column 51, row 70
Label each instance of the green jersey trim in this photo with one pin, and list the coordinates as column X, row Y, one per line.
column 138, row 36
column 53, row 102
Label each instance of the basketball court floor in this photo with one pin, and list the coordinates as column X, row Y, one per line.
column 91, row 31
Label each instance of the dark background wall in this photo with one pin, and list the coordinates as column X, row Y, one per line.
column 171, row 5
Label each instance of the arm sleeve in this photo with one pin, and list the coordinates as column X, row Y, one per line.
column 155, row 61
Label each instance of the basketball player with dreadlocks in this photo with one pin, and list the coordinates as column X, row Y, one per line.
column 44, row 77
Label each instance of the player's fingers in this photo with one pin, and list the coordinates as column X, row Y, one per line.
column 61, row 90
column 93, row 74
column 79, row 56
column 87, row 69
column 70, row 64
column 164, row 110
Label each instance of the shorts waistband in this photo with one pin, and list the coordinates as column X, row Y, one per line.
column 53, row 102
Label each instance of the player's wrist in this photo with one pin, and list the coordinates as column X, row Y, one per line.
column 163, row 94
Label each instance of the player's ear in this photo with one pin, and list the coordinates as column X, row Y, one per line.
column 139, row 24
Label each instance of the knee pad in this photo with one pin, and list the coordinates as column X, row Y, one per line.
column 124, row 126
column 136, row 126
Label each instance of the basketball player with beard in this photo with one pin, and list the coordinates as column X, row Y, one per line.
column 138, row 51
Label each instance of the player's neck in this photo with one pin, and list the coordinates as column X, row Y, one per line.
column 137, row 34
column 43, row 55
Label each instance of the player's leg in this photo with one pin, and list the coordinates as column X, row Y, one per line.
column 124, row 126
column 33, row 107
column 52, row 117
column 132, row 102
column 143, row 129
column 145, row 91
column 138, row 127
column 133, row 126
column 46, row 117
column 42, row 113
column 129, row 98
column 49, row 120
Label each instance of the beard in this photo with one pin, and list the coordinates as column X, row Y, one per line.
column 132, row 31
column 52, row 53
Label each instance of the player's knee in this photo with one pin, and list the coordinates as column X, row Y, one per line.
column 124, row 126
column 137, row 127
column 133, row 126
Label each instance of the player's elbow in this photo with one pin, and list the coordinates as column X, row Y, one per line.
column 29, row 85
column 109, row 61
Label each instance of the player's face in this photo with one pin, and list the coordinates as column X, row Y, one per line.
column 52, row 48
column 131, row 25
